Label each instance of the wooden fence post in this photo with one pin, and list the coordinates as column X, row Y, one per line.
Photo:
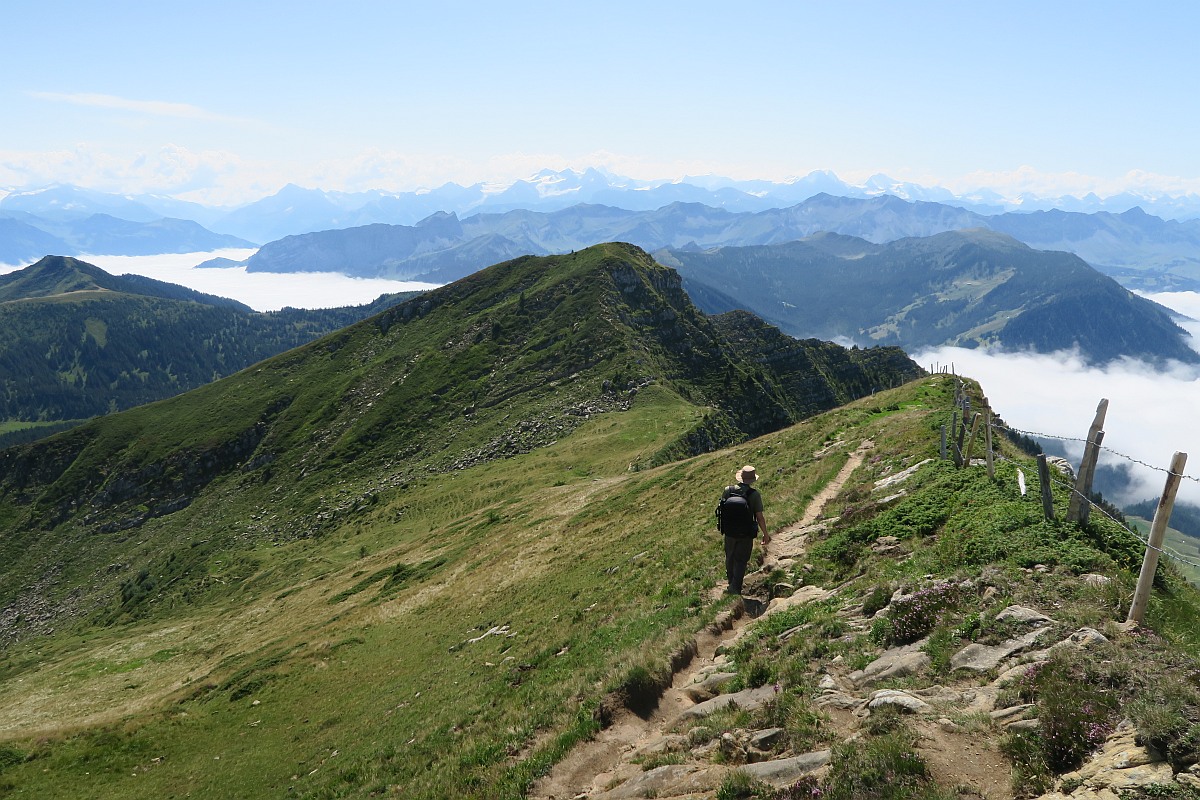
column 971, row 441
column 987, row 435
column 1087, row 466
column 1085, row 508
column 1162, row 515
column 1047, row 493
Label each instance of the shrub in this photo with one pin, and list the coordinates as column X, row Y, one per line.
column 909, row 618
column 738, row 785
column 1077, row 715
column 10, row 756
column 876, row 599
column 1167, row 720
column 881, row 768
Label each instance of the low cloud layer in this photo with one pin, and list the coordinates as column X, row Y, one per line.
column 262, row 291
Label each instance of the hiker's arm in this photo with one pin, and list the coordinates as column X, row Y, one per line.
column 762, row 526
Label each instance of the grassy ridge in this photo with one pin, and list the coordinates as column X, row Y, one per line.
column 453, row 638
column 325, row 532
column 593, row 576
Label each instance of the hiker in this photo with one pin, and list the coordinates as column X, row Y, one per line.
column 739, row 537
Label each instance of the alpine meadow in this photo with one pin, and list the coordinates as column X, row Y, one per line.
column 448, row 550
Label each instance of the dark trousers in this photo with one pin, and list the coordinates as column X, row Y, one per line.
column 737, row 556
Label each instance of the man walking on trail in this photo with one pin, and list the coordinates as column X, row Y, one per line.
column 739, row 545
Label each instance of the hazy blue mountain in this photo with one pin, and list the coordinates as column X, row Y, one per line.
column 1142, row 250
column 21, row 242
column 25, row 237
column 61, row 202
column 965, row 288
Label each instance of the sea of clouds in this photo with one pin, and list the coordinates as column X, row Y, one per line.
column 1151, row 412
column 262, row 291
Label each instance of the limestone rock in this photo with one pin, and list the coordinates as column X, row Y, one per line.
column 1023, row 615
column 669, row 743
column 1006, row 716
column 903, row 700
column 898, row 662
column 783, row 772
column 669, row 780
column 1024, row 725
column 981, row 658
column 748, row 699
column 803, row 595
column 710, row 687
column 833, row 698
column 901, row 476
column 766, row 738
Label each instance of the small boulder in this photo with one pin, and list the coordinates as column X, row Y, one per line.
column 783, row 772
column 902, row 700
column 1023, row 616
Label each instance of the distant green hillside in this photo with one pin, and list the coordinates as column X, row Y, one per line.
column 76, row 342
column 964, row 288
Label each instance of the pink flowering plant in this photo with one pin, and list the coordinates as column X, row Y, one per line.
column 911, row 618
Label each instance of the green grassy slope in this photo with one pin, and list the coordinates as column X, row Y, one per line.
column 325, row 532
column 453, row 635
column 505, row 361
column 76, row 342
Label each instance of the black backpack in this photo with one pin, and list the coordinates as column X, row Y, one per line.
column 734, row 515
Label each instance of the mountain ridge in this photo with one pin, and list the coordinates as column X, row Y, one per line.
column 1142, row 251
column 77, row 341
column 960, row 288
column 440, row 377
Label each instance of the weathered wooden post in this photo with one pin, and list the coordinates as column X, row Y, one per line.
column 1083, row 483
column 971, row 441
column 1085, row 507
column 987, row 435
column 1047, row 493
column 1158, row 528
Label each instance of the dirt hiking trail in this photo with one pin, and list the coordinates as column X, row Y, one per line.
column 604, row 767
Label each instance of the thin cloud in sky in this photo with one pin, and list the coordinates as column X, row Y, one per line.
column 156, row 108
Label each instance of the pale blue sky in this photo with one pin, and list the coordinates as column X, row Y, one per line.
column 229, row 100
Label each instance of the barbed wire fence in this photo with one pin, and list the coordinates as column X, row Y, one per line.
column 960, row 444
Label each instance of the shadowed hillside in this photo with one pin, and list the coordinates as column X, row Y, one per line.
column 76, row 342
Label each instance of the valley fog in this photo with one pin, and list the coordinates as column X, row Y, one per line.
column 262, row 291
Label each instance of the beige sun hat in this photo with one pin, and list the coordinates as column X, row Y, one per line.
column 746, row 474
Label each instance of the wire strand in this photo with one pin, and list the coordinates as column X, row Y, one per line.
column 997, row 426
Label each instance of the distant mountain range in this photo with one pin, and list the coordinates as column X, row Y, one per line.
column 960, row 288
column 25, row 237
column 1141, row 251
column 77, row 342
column 295, row 210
